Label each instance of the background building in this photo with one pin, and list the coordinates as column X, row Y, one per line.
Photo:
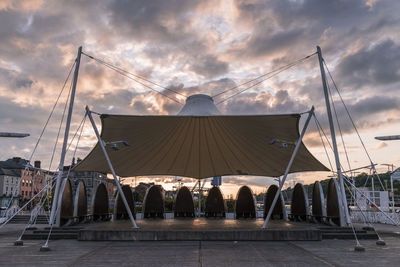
column 8, row 186
column 14, row 174
column 91, row 180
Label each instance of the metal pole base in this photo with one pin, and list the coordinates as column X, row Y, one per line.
column 368, row 228
column 381, row 242
column 44, row 248
column 19, row 242
column 359, row 248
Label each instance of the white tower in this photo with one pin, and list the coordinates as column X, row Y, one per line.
column 199, row 105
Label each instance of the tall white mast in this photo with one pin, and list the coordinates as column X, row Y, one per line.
column 333, row 136
column 66, row 134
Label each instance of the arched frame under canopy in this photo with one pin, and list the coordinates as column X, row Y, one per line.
column 80, row 201
column 100, row 203
column 183, row 203
column 245, row 205
column 153, row 203
column 65, row 203
column 119, row 207
column 215, row 205
column 334, row 209
column 318, row 202
column 299, row 209
column 279, row 211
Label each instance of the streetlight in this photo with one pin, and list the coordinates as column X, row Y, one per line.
column 14, row 135
column 278, row 180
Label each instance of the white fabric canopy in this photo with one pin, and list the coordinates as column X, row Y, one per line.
column 201, row 146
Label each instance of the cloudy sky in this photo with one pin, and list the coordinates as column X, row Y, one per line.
column 202, row 47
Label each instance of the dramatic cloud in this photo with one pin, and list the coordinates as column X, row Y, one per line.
column 378, row 65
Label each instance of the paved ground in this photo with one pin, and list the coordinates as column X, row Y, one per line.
column 194, row 253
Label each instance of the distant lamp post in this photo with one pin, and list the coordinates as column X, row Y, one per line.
column 388, row 137
column 14, row 135
column 278, row 180
column 389, row 166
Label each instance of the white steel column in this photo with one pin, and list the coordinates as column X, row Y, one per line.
column 66, row 134
column 391, row 186
column 333, row 136
column 101, row 143
column 199, row 198
column 373, row 186
column 282, row 182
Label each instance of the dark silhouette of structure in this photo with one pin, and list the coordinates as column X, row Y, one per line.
column 80, row 202
column 153, row 204
column 183, row 203
column 333, row 203
column 119, row 208
column 318, row 203
column 100, row 209
column 279, row 211
column 299, row 210
column 215, row 205
column 245, row 203
column 66, row 204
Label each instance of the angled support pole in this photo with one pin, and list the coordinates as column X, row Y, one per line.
column 103, row 148
column 333, row 136
column 282, row 182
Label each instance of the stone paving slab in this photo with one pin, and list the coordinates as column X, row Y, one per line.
column 197, row 253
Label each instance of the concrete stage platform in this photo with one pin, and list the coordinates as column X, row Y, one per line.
column 200, row 229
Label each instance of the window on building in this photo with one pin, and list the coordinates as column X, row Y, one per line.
column 22, row 193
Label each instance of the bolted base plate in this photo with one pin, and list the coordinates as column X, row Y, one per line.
column 19, row 243
column 44, row 249
column 368, row 228
column 359, row 248
column 381, row 242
